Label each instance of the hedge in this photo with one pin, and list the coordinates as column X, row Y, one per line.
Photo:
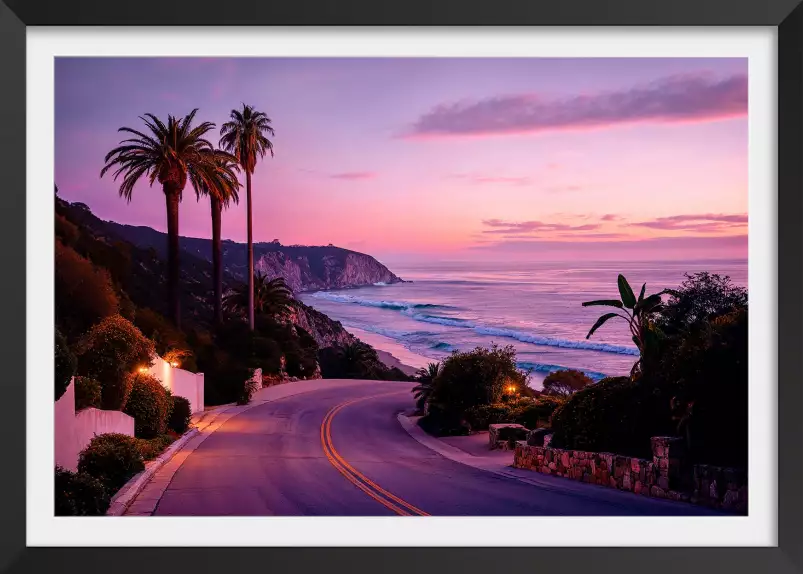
column 87, row 393
column 79, row 494
column 180, row 413
column 111, row 458
column 149, row 404
column 65, row 365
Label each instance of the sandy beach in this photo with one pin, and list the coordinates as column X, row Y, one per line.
column 390, row 352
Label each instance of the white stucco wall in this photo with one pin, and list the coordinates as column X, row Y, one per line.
column 180, row 382
column 74, row 431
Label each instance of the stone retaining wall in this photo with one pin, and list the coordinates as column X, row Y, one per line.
column 665, row 476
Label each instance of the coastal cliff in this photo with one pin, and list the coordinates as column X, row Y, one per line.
column 304, row 268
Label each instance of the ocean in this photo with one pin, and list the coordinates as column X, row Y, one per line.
column 536, row 307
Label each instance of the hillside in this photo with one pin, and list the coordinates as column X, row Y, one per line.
column 141, row 271
column 304, row 268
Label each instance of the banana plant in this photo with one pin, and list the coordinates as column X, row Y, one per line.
column 636, row 311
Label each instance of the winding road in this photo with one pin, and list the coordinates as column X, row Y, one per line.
column 339, row 450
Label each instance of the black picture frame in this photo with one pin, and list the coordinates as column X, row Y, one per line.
column 786, row 15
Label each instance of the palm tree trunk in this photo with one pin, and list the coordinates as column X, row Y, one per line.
column 172, row 198
column 217, row 267
column 250, row 252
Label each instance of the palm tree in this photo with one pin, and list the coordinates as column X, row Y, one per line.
column 271, row 297
column 245, row 136
column 171, row 154
column 221, row 195
column 638, row 313
column 426, row 384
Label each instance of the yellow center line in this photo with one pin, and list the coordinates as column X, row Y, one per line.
column 354, row 476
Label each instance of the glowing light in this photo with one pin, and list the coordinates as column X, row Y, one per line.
column 174, row 364
column 143, row 369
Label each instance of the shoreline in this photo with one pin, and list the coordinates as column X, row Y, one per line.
column 390, row 352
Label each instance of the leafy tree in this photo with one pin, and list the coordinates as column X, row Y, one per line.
column 565, row 382
column 702, row 296
column 171, row 154
column 426, row 383
column 245, row 136
column 638, row 313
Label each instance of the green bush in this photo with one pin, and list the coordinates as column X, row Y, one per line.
column 87, row 393
column 539, row 412
column 616, row 415
column 79, row 494
column 480, row 416
column 474, row 378
column 111, row 353
column 153, row 447
column 180, row 414
column 113, row 459
column 65, row 365
column 149, row 404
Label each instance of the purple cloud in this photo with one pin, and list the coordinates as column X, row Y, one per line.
column 706, row 222
column 508, row 228
column 355, row 175
column 673, row 99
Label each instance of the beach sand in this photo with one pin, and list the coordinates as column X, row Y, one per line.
column 390, row 352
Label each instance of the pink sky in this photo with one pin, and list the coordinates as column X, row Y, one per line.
column 410, row 159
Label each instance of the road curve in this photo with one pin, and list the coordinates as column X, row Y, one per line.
column 340, row 451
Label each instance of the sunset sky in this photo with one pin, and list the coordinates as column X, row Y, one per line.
column 413, row 159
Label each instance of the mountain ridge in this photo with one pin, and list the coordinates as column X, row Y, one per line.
column 304, row 267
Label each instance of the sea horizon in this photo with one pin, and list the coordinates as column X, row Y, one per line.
column 534, row 306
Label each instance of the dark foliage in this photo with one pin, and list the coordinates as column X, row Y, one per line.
column 616, row 415
column 87, row 393
column 149, row 404
column 538, row 414
column 356, row 361
column 111, row 353
column 84, row 292
column 65, row 363
column 113, row 459
column 565, row 382
column 150, row 448
column 79, row 494
column 180, row 414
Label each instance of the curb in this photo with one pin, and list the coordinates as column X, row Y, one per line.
column 126, row 495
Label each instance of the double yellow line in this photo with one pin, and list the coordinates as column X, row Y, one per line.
column 387, row 499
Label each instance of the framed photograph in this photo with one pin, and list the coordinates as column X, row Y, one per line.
column 444, row 287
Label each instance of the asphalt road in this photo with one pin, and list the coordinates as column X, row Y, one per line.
column 342, row 452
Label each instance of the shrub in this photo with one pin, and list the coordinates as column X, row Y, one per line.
column 111, row 351
column 79, row 494
column 151, row 448
column 539, row 413
column 180, row 413
column 65, row 365
column 474, row 378
column 480, row 416
column 111, row 458
column 169, row 342
column 616, row 415
column 84, row 293
column 249, row 387
column 565, row 382
column 87, row 393
column 149, row 404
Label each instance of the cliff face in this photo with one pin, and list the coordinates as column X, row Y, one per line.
column 326, row 332
column 316, row 268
